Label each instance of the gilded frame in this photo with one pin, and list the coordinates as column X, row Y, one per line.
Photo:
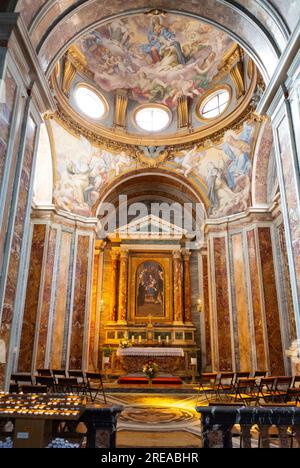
column 136, row 259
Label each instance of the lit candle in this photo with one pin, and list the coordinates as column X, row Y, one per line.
column 140, row 339
column 167, row 339
column 132, row 339
column 159, row 339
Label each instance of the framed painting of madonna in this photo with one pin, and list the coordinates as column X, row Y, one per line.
column 150, row 290
column 149, row 286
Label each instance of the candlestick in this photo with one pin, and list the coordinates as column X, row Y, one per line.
column 140, row 339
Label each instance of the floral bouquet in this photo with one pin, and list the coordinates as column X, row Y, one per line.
column 125, row 344
column 150, row 369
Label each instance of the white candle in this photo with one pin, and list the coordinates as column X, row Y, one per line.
column 140, row 339
column 159, row 339
column 168, row 339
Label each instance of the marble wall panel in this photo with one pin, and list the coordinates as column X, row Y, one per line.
column 206, row 311
column 289, row 10
column 94, row 311
column 263, row 152
column 291, row 192
column 287, row 282
column 79, row 307
column 271, row 303
column 32, row 298
column 222, row 304
column 11, row 175
column 29, row 8
column 46, row 300
column 6, row 112
column 53, row 12
column 13, row 268
column 256, row 302
column 61, row 300
column 241, row 302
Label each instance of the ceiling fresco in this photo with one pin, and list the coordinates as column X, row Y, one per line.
column 157, row 58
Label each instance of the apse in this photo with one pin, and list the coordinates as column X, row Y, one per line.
column 149, row 223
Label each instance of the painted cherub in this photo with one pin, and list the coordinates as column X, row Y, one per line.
column 189, row 161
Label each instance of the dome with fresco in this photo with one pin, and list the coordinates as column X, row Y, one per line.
column 186, row 78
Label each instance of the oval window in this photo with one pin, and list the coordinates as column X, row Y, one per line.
column 215, row 104
column 89, row 102
column 152, row 119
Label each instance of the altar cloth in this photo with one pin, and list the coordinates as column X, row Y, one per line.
column 150, row 352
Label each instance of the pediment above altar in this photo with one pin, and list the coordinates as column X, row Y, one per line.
column 149, row 227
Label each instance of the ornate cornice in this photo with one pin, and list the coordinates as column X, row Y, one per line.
column 76, row 57
column 136, row 151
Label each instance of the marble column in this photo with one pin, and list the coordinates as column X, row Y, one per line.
column 123, row 289
column 177, row 277
column 113, row 312
column 187, row 289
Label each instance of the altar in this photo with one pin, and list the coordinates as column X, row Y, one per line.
column 168, row 359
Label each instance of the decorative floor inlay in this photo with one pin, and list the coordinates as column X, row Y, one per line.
column 157, row 420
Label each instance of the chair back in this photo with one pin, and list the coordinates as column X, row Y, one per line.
column 44, row 372
column 78, row 374
column 46, row 381
column 226, row 378
column 14, row 388
column 268, row 383
column 59, row 372
column 241, row 375
column 67, row 385
column 259, row 374
column 283, row 383
column 209, row 377
column 19, row 378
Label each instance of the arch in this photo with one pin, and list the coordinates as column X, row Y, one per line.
column 261, row 158
column 157, row 176
column 257, row 27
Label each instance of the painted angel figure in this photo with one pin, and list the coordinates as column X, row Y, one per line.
column 189, row 161
column 238, row 151
column 121, row 161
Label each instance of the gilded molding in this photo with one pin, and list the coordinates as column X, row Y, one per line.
column 78, row 60
column 183, row 112
column 237, row 76
column 68, row 76
column 121, row 102
column 134, row 150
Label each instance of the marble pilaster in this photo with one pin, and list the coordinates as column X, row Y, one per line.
column 79, row 303
column 187, row 289
column 177, row 277
column 30, row 317
column 123, row 288
column 113, row 313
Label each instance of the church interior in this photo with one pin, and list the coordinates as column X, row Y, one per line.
column 149, row 223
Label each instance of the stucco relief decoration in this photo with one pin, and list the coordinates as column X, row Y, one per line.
column 157, row 58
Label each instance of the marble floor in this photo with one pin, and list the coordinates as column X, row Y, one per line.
column 161, row 417
column 157, row 420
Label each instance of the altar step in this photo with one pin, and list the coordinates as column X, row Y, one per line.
column 140, row 379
